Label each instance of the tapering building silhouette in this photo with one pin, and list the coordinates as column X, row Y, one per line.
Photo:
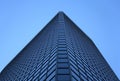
column 60, row 52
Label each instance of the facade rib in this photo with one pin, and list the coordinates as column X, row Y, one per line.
column 60, row 52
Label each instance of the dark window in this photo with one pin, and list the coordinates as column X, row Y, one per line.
column 62, row 52
column 63, row 78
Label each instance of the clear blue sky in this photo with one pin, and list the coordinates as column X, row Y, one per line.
column 21, row 20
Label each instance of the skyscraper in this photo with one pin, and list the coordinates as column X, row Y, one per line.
column 59, row 52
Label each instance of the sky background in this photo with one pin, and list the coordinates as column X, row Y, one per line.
column 21, row 20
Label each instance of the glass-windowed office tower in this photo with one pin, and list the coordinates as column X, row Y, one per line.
column 59, row 52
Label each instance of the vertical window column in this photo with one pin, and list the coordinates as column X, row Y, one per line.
column 63, row 71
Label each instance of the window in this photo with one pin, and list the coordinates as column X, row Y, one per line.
column 62, row 49
column 62, row 56
column 61, row 45
column 62, row 65
column 62, row 52
column 63, row 77
column 62, row 60
column 63, row 71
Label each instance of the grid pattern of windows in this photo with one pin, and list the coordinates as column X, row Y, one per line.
column 60, row 52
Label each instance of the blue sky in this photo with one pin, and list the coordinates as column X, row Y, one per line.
column 21, row 20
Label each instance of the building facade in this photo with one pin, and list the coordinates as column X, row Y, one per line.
column 59, row 52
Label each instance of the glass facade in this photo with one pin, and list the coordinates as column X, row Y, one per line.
column 60, row 52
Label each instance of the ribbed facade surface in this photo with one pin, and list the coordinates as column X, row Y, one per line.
column 60, row 52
